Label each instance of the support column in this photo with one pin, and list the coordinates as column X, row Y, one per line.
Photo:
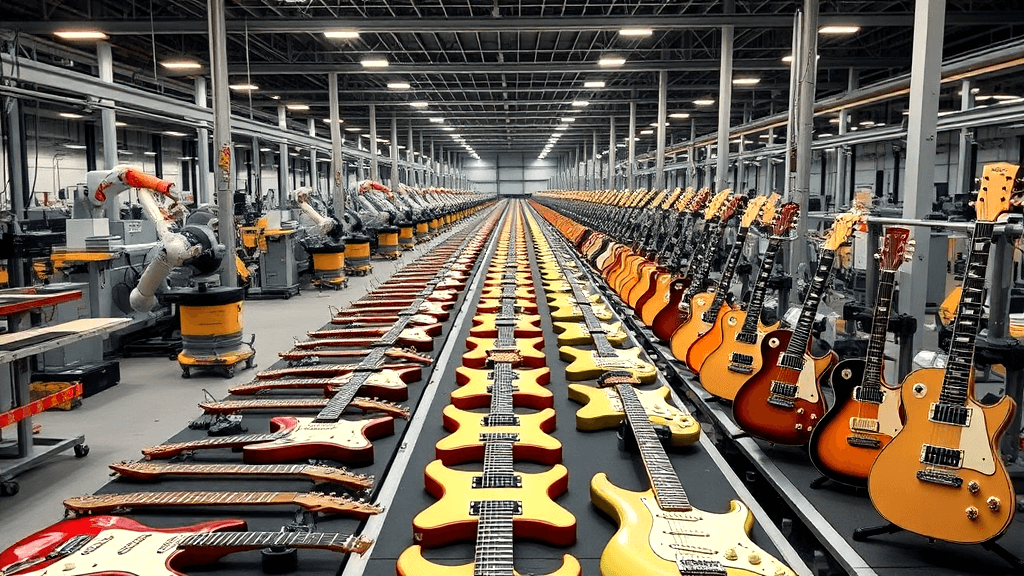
column 282, row 160
column 18, row 170
column 963, row 160
column 257, row 184
column 432, row 165
column 925, row 76
column 314, row 176
column 202, row 149
column 395, row 180
column 841, row 151
column 794, row 94
column 631, row 143
column 595, row 166
column 108, row 121
column 337, row 161
column 659, row 170
column 423, row 162
column 805, row 128
column 611, row 153
column 222, row 138
column 724, row 105
column 409, row 175
column 374, row 167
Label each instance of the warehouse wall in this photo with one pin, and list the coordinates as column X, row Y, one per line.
column 511, row 173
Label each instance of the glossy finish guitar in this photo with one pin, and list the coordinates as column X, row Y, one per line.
column 386, row 384
column 318, row 474
column 602, row 410
column 475, row 385
column 108, row 545
column 866, row 414
column 577, row 333
column 942, row 476
column 531, row 351
column 782, row 402
column 412, row 563
column 312, row 501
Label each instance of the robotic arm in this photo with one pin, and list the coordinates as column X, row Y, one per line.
column 326, row 225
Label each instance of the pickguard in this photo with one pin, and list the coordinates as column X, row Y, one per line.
column 116, row 550
column 807, row 384
column 343, row 432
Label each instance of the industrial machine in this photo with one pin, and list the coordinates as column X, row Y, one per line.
column 324, row 244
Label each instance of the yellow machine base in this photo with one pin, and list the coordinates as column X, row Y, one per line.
column 338, row 282
column 224, row 363
column 361, row 270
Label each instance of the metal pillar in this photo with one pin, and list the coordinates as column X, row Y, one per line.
column 202, row 149
column 18, row 169
column 433, row 171
column 963, row 161
column 595, row 166
column 282, row 160
column 222, row 138
column 337, row 161
column 256, row 168
column 659, row 170
column 841, row 151
column 314, row 179
column 925, row 75
column 611, row 153
column 374, row 167
column 631, row 142
column 394, row 152
column 805, row 128
column 423, row 161
column 794, row 95
column 108, row 120
column 410, row 176
column 724, row 105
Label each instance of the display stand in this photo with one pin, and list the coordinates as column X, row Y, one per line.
column 862, row 534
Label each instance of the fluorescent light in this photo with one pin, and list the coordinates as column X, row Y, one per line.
column 398, row 86
column 149, row 153
column 746, row 81
column 636, row 32
column 562, row 127
column 448, row 128
column 568, row 119
column 375, row 62
column 825, row 135
column 833, row 120
column 81, row 35
column 646, row 132
column 120, row 124
column 679, row 115
column 181, row 64
column 297, row 106
column 75, row 146
column 186, row 158
column 70, row 115
column 341, row 34
column 611, row 60
column 244, row 87
column 655, row 124
column 594, row 84
column 352, row 129
column 838, row 29
column 1004, row 97
column 867, row 123
column 175, row 134
column 787, row 59
column 418, row 104
column 328, row 121
column 704, row 102
column 580, row 103
column 437, row 120
column 265, row 149
column 275, row 97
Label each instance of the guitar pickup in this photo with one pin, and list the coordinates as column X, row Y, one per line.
column 941, row 478
column 616, row 377
column 791, row 361
column 499, row 437
column 863, row 442
column 743, row 359
column 747, row 337
column 869, row 394
column 941, row 456
column 864, row 425
column 495, row 507
column 699, row 567
column 953, row 414
column 784, row 389
column 501, row 420
column 498, row 481
column 780, row 402
column 490, row 388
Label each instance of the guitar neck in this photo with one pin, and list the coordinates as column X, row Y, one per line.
column 756, row 302
column 304, row 471
column 108, row 502
column 802, row 332
column 667, row 488
column 701, row 262
column 258, row 540
column 494, row 546
column 956, row 382
column 874, row 360
column 727, row 273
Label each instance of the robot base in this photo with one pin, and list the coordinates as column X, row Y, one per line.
column 223, row 363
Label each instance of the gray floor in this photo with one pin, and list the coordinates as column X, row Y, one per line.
column 152, row 403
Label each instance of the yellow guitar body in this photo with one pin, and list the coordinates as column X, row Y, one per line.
column 494, row 279
column 559, row 299
column 587, row 365
column 448, row 520
column 576, row 333
column 522, row 292
column 530, row 349
column 484, row 325
column 569, row 311
column 474, row 388
column 534, row 443
column 602, row 409
column 412, row 563
column 937, row 510
column 649, row 540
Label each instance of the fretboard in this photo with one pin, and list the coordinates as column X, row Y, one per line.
column 802, row 332
column 147, row 499
column 502, row 388
column 257, row 540
column 702, row 259
column 664, row 481
column 956, row 383
column 727, row 273
column 756, row 301
column 498, row 458
column 493, row 555
column 874, row 360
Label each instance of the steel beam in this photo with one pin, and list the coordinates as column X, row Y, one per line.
column 659, row 174
column 338, row 172
column 611, row 153
column 222, row 140
column 374, row 166
column 724, row 105
column 631, row 147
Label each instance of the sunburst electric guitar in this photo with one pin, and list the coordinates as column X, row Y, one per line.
column 660, row 533
column 941, row 476
column 866, row 413
column 782, row 402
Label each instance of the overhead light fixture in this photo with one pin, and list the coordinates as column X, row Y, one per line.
column 341, row 34
column 787, row 59
column 838, row 29
column 120, row 124
column 297, row 106
column 418, row 104
column 265, row 149
column 1003, row 97
column 825, row 135
column 181, row 64
column 328, row 121
column 174, row 134
column 448, row 128
column 149, row 153
column 746, row 81
column 679, row 115
column 374, row 62
column 646, row 132
column 398, row 86
column 437, row 120
column 244, row 87
column 70, row 115
column 594, row 84
column 81, row 35
column 568, row 119
column 75, row 146
column 580, row 103
column 655, row 124
column 352, row 129
column 833, row 120
column 620, row 145
column 562, row 127
column 275, row 97
column 637, row 32
column 866, row 123
column 704, row 102
column 611, row 60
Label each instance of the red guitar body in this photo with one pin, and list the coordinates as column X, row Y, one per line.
column 671, row 317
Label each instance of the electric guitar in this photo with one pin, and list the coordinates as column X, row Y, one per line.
column 782, row 401
column 566, row 308
column 635, row 289
column 530, row 350
column 526, row 325
column 738, row 356
column 706, row 308
column 475, row 385
column 292, row 405
column 393, row 353
column 527, row 304
column 386, row 384
column 942, row 476
column 578, row 333
column 418, row 337
column 312, row 501
column 318, row 474
column 660, row 533
column 866, row 414
column 419, row 319
column 93, row 545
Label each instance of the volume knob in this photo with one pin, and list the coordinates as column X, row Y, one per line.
column 754, row 558
column 730, row 554
column 972, row 513
column 973, row 486
column 993, row 503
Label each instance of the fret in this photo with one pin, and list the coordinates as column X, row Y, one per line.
column 756, row 302
column 802, row 332
column 664, row 481
column 874, row 360
column 727, row 273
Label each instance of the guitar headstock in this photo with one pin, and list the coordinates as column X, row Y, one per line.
column 734, row 204
column 754, row 207
column 409, row 354
column 786, row 218
column 842, row 229
column 771, row 207
column 897, row 248
column 339, row 476
column 331, row 504
column 357, row 544
column 714, row 206
column 375, row 405
column 700, row 200
column 1002, row 189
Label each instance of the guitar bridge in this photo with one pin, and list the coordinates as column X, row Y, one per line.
column 699, row 567
column 864, row 425
column 863, row 442
column 499, row 437
column 498, row 481
column 941, row 478
column 740, row 369
column 780, row 402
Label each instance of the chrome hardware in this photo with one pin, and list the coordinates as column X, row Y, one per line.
column 754, row 558
column 973, row 486
column 846, row 373
column 730, row 554
column 972, row 513
column 919, row 390
column 993, row 503
column 773, row 342
column 798, row 427
column 814, row 417
column 799, row 410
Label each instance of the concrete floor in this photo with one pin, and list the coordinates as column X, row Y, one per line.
column 153, row 402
